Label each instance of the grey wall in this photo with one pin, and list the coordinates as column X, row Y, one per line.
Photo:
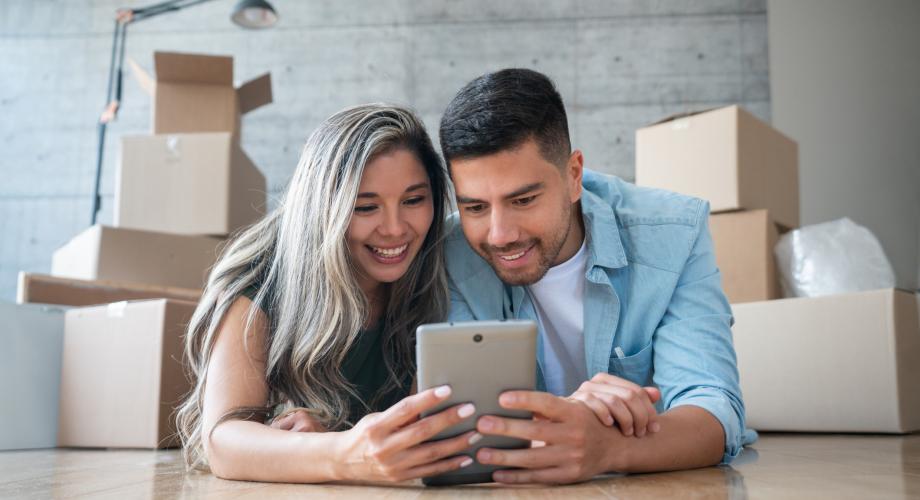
column 845, row 80
column 619, row 64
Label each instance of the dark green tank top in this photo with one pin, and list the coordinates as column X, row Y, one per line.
column 365, row 368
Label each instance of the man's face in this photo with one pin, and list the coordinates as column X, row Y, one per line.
column 516, row 209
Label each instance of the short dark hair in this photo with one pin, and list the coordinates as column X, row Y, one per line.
column 500, row 111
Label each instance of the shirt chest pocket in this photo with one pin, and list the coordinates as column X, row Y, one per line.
column 636, row 368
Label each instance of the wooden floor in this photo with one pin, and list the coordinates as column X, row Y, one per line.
column 777, row 466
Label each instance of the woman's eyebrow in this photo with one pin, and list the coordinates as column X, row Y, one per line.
column 414, row 187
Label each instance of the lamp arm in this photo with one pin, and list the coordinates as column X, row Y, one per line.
column 123, row 18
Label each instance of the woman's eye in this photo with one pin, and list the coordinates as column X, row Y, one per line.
column 415, row 201
column 524, row 201
column 363, row 209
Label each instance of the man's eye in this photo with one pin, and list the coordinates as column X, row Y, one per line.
column 415, row 201
column 363, row 209
column 475, row 209
column 524, row 201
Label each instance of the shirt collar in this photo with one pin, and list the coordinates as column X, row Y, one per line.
column 605, row 247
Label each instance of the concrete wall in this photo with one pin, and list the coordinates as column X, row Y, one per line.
column 845, row 82
column 619, row 64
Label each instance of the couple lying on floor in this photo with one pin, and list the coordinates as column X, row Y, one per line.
column 302, row 346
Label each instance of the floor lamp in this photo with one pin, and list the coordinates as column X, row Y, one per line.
column 252, row 14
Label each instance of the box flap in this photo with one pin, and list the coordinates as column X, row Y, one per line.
column 143, row 78
column 193, row 68
column 255, row 93
column 677, row 116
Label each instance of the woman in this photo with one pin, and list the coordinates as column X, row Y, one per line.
column 315, row 308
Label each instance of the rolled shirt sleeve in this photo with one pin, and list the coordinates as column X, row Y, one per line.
column 694, row 358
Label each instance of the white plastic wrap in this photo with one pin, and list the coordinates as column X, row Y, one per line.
column 833, row 257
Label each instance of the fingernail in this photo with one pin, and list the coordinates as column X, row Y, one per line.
column 655, row 427
column 640, row 433
column 466, row 462
column 628, row 432
column 466, row 410
column 507, row 399
column 609, row 420
column 486, row 424
column 484, row 455
column 443, row 391
column 475, row 438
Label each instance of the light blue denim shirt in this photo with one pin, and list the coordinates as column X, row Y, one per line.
column 652, row 289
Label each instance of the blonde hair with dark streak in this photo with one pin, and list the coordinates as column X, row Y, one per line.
column 298, row 258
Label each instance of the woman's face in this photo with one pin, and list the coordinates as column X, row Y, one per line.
column 391, row 218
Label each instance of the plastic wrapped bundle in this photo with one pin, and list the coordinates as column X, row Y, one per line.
column 833, row 257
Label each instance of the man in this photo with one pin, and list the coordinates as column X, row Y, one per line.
column 621, row 280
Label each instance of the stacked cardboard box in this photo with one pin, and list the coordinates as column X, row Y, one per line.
column 178, row 193
column 747, row 170
column 842, row 363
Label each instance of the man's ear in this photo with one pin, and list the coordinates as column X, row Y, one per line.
column 573, row 173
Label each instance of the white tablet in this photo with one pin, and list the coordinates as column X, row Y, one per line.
column 479, row 360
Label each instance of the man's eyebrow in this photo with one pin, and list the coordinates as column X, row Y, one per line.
column 514, row 194
column 414, row 187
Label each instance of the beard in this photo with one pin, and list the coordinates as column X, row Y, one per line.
column 544, row 251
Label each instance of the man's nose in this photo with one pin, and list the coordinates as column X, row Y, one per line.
column 502, row 230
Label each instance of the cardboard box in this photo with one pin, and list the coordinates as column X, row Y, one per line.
column 744, row 243
column 187, row 184
column 726, row 156
column 122, row 374
column 129, row 255
column 195, row 93
column 839, row 363
column 44, row 289
column 30, row 375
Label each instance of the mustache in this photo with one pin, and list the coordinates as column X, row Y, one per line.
column 517, row 245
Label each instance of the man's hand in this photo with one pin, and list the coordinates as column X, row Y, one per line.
column 617, row 400
column 575, row 450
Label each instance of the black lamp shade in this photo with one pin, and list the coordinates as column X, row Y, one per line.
column 254, row 14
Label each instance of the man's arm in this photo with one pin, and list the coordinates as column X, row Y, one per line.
column 694, row 359
column 459, row 309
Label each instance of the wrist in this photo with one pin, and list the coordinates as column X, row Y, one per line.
column 339, row 465
column 618, row 451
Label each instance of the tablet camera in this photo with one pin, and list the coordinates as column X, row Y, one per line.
column 477, row 338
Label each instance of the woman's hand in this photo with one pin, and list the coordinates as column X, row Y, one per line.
column 617, row 400
column 390, row 446
column 297, row 420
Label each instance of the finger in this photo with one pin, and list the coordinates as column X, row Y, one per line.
column 306, row 425
column 439, row 467
column 409, row 408
column 554, row 475
column 638, row 408
column 284, row 423
column 654, row 393
column 429, row 427
column 432, row 452
column 597, row 406
column 530, row 430
column 543, row 403
column 636, row 400
column 528, row 458
column 621, row 413
column 608, row 379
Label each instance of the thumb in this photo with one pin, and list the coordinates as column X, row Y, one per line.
column 653, row 393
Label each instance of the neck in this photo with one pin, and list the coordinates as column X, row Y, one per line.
column 575, row 236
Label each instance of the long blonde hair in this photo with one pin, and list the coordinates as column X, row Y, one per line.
column 298, row 259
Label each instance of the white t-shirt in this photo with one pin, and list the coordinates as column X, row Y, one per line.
column 559, row 301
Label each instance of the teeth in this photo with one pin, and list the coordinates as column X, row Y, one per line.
column 390, row 252
column 513, row 257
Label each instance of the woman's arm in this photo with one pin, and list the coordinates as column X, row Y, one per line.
column 387, row 446
column 249, row 450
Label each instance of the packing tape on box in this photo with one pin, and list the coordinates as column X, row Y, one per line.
column 680, row 124
column 172, row 146
column 116, row 309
